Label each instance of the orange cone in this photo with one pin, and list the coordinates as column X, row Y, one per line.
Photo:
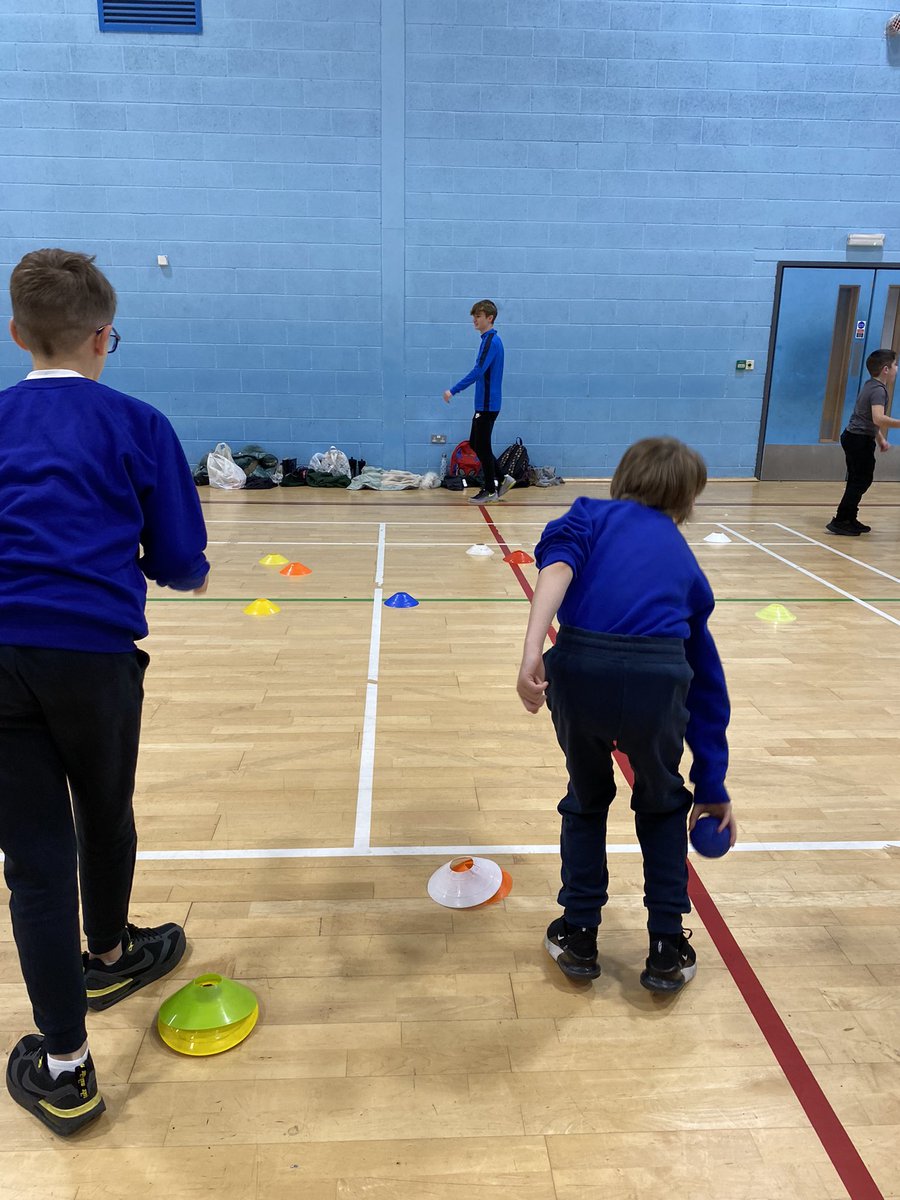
column 501, row 893
column 518, row 556
column 295, row 569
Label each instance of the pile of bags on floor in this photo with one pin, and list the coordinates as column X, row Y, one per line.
column 254, row 468
column 380, row 480
column 251, row 468
column 464, row 469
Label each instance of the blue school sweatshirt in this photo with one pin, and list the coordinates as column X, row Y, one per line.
column 636, row 576
column 487, row 374
column 89, row 480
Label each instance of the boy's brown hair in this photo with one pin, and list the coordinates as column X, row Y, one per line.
column 58, row 299
column 662, row 473
column 878, row 360
column 485, row 308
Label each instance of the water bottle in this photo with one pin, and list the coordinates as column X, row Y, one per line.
column 443, row 466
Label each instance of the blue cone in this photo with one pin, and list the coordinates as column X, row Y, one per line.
column 401, row 600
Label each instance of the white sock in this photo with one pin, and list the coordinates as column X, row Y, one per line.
column 57, row 1066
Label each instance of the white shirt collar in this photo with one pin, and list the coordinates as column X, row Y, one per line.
column 62, row 373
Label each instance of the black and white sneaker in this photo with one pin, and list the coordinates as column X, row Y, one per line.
column 672, row 962
column 65, row 1104
column 147, row 955
column 506, row 486
column 573, row 950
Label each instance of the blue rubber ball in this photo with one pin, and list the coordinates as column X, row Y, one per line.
column 706, row 839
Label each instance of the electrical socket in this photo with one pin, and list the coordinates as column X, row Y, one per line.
column 439, row 439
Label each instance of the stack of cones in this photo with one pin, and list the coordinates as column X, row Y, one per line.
column 469, row 882
column 209, row 1015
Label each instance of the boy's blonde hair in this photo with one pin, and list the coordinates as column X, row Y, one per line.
column 662, row 473
column 58, row 299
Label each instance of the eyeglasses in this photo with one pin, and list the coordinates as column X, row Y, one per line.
column 114, row 338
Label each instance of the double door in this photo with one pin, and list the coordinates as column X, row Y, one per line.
column 827, row 319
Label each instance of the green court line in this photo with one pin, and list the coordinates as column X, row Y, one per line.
column 499, row 599
column 333, row 599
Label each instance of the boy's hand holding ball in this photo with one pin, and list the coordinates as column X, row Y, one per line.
column 713, row 829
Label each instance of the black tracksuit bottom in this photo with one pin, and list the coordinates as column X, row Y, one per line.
column 859, row 452
column 628, row 693
column 480, row 441
column 69, row 729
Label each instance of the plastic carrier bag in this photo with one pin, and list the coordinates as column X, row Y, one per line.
column 223, row 470
column 332, row 462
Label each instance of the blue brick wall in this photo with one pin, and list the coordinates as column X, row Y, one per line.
column 619, row 175
column 622, row 176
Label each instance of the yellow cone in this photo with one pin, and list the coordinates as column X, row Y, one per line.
column 776, row 614
column 207, row 1016
column 261, row 608
column 272, row 560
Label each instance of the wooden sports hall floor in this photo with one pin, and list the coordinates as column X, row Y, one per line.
column 407, row 1052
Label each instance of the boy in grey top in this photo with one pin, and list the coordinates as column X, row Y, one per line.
column 864, row 430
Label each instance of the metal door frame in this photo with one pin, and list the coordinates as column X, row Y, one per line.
column 773, row 330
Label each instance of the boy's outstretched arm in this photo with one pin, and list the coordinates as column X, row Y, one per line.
column 882, row 420
column 553, row 582
column 486, row 356
column 174, row 533
column 709, row 712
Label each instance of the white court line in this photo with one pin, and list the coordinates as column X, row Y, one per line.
column 429, row 524
column 282, row 542
column 362, row 832
column 418, row 545
column 717, row 546
column 810, row 575
column 833, row 550
column 453, row 851
column 288, row 852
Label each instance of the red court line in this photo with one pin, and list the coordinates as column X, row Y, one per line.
column 836, row 1142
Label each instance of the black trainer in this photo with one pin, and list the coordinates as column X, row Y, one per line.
column 845, row 528
column 573, row 950
column 859, row 527
column 672, row 962
column 147, row 955
column 65, row 1104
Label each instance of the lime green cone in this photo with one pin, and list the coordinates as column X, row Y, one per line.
column 207, row 1016
column 776, row 614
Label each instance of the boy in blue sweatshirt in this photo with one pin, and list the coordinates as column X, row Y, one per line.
column 96, row 495
column 487, row 375
column 634, row 668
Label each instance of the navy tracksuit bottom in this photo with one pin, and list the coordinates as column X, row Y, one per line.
column 628, row 693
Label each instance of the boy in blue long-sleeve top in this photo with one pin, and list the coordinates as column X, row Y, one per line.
column 487, row 375
column 96, row 495
column 634, row 668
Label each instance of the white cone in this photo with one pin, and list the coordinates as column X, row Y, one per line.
column 465, row 882
column 717, row 539
column 479, row 550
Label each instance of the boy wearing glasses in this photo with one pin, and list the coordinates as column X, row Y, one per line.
column 96, row 496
